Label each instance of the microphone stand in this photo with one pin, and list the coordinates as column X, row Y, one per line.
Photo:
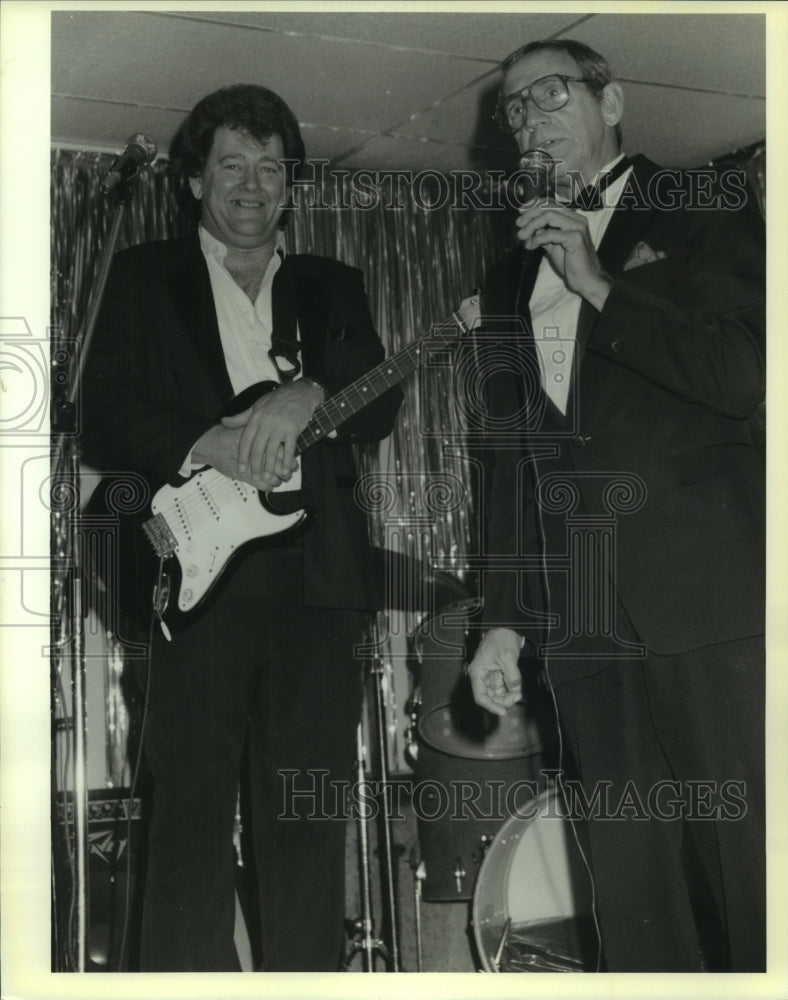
column 64, row 472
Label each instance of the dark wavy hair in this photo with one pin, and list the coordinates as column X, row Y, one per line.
column 249, row 108
column 591, row 64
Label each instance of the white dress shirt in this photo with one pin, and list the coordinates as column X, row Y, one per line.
column 555, row 310
column 245, row 327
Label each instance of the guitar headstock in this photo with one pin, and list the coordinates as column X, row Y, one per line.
column 468, row 314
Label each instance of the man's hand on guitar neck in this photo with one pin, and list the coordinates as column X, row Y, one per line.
column 268, row 432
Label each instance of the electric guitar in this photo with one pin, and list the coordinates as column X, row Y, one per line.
column 182, row 550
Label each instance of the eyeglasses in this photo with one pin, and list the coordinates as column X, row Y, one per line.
column 549, row 93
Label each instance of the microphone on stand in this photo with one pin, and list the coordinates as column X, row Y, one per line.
column 139, row 152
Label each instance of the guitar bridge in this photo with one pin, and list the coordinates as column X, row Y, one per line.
column 158, row 533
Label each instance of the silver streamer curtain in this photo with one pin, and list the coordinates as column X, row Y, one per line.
column 419, row 260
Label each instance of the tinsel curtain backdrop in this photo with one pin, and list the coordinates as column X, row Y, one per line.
column 419, row 263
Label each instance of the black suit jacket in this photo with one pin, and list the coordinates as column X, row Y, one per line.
column 667, row 380
column 156, row 380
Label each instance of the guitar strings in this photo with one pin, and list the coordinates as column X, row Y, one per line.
column 215, row 489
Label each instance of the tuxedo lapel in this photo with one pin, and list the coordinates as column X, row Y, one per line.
column 190, row 292
column 629, row 220
column 623, row 232
column 507, row 293
column 526, row 279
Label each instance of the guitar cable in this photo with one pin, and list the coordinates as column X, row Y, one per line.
column 560, row 775
column 546, row 657
column 161, row 600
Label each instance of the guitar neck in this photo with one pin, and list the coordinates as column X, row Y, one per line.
column 350, row 400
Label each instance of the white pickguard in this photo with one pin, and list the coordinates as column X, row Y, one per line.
column 211, row 517
column 207, row 519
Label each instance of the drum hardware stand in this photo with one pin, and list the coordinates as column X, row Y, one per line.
column 459, row 874
column 502, row 944
column 70, row 644
column 363, row 927
column 367, row 944
column 485, row 843
column 389, row 890
column 419, row 876
column 411, row 739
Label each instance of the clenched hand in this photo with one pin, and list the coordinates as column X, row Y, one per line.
column 494, row 672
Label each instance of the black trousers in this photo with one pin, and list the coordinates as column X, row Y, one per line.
column 257, row 662
column 673, row 747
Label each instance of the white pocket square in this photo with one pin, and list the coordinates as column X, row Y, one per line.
column 643, row 254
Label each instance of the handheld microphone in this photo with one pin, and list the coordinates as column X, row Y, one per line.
column 139, row 152
column 534, row 184
column 535, row 178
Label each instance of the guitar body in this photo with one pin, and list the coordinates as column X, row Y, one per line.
column 198, row 528
column 171, row 552
column 211, row 521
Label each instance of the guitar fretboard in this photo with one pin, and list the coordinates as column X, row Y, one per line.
column 373, row 384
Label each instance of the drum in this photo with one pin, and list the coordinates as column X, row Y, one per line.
column 449, row 718
column 463, row 729
column 470, row 765
column 532, row 904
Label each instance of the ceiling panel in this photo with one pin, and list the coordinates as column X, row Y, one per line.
column 331, row 143
column 478, row 35
column 389, row 94
column 719, row 124
column 722, row 52
column 128, row 57
column 373, row 89
column 415, row 153
column 110, row 124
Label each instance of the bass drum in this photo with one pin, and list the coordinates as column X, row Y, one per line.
column 532, row 905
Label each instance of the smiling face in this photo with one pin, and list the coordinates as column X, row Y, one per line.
column 581, row 135
column 242, row 189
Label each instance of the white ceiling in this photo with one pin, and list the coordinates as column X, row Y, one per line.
column 401, row 90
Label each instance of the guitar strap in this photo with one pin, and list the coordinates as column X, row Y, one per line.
column 284, row 357
column 300, row 297
column 285, row 344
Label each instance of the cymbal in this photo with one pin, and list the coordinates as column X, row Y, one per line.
column 409, row 585
column 463, row 729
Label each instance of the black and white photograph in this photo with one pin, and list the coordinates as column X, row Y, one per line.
column 387, row 582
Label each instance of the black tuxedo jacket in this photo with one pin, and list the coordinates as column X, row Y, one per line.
column 659, row 434
column 156, row 380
